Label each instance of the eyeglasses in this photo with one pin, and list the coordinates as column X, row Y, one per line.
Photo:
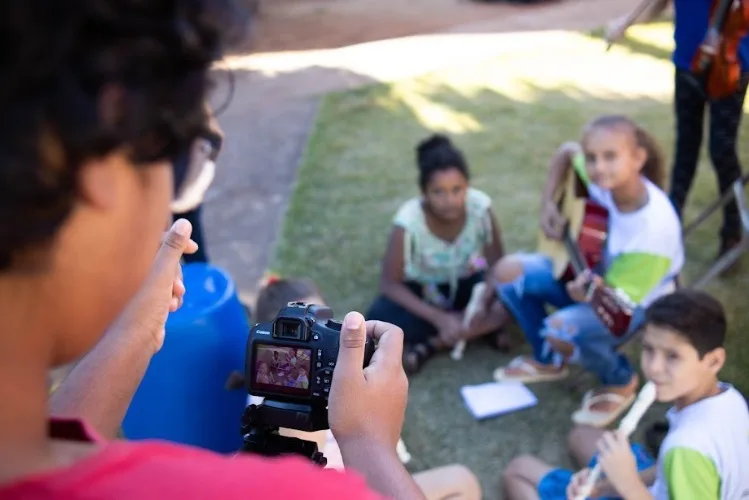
column 194, row 171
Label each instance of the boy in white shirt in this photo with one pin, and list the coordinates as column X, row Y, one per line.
column 705, row 454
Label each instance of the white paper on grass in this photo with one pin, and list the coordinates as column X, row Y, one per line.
column 497, row 398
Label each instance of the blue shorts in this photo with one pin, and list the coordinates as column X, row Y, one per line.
column 553, row 486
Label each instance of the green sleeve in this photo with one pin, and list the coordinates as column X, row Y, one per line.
column 690, row 475
column 578, row 163
column 637, row 273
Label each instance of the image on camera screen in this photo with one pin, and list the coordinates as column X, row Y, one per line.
column 283, row 370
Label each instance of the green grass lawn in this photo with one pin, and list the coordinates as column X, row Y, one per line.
column 508, row 114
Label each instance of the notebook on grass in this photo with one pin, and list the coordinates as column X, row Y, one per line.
column 497, row 398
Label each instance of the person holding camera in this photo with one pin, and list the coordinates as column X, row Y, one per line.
column 98, row 99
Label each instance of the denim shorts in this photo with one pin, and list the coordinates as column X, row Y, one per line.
column 553, row 486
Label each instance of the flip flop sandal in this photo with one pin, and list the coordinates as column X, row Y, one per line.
column 601, row 419
column 530, row 373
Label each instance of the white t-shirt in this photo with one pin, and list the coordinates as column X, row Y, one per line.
column 644, row 248
column 705, row 454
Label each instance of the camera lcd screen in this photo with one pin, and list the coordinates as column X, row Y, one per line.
column 283, row 370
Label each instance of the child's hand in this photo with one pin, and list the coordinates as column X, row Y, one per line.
column 574, row 489
column 552, row 222
column 450, row 329
column 617, row 461
column 577, row 288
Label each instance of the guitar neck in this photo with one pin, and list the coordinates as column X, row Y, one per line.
column 573, row 250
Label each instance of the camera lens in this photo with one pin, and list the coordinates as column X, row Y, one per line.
column 288, row 329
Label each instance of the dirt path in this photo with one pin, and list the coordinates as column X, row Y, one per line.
column 277, row 93
column 315, row 24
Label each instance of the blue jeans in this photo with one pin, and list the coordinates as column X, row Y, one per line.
column 576, row 323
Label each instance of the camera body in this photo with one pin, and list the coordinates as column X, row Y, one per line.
column 292, row 358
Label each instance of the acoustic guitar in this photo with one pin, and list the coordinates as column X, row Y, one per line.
column 582, row 248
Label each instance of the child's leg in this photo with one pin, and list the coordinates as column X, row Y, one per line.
column 418, row 333
column 577, row 334
column 581, row 443
column 526, row 298
column 523, row 476
column 452, row 481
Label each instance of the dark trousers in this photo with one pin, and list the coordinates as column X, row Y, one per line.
column 417, row 330
column 195, row 218
column 725, row 117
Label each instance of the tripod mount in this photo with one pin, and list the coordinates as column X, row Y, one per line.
column 260, row 425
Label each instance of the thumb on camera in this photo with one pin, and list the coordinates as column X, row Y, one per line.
column 352, row 342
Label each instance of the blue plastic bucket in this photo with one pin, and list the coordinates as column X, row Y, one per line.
column 183, row 397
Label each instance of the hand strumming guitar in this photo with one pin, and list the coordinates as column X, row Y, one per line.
column 579, row 288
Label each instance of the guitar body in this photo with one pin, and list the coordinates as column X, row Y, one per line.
column 613, row 310
column 591, row 238
column 588, row 226
column 583, row 248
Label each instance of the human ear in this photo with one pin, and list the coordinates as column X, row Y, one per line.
column 715, row 360
column 640, row 155
column 97, row 182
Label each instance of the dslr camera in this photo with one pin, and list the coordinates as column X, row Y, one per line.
column 290, row 362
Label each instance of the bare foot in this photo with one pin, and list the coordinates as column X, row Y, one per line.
column 625, row 391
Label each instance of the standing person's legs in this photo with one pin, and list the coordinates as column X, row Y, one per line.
column 689, row 110
column 725, row 118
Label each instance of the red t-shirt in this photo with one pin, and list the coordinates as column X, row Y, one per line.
column 144, row 470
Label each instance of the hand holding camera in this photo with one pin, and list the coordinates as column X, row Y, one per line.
column 368, row 405
column 315, row 372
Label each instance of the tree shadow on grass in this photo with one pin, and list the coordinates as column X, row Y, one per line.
column 359, row 167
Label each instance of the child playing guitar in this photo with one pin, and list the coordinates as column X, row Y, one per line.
column 622, row 169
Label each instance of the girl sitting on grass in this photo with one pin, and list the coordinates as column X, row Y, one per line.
column 440, row 245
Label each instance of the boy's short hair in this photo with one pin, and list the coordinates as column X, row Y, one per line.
column 696, row 316
column 279, row 292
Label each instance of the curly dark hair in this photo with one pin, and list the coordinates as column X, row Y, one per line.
column 436, row 153
column 83, row 78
